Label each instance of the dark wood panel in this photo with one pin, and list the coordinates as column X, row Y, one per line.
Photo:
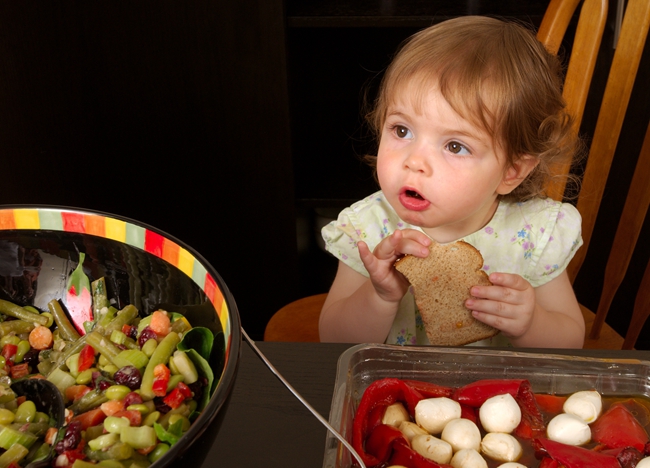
column 172, row 113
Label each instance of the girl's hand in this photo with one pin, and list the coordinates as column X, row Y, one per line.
column 508, row 305
column 390, row 284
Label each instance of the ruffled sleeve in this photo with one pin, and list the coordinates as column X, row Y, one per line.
column 341, row 237
column 369, row 220
column 564, row 231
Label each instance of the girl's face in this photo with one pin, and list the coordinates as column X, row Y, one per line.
column 438, row 170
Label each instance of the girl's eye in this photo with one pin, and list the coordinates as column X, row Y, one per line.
column 402, row 132
column 457, row 148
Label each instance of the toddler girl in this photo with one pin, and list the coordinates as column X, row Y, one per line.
column 469, row 118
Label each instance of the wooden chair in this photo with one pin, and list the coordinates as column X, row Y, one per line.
column 614, row 105
column 586, row 45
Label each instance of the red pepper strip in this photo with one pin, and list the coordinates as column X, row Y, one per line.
column 161, row 375
column 475, row 394
column 618, row 428
column 403, row 455
column 178, row 395
column 574, row 457
column 532, row 422
column 8, row 352
column 380, row 393
column 430, row 390
column 380, row 441
column 86, row 358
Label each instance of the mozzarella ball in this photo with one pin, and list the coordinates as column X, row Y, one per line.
column 433, row 414
column 568, row 429
column 501, row 447
column 395, row 414
column 586, row 405
column 432, row 448
column 644, row 463
column 501, row 413
column 411, row 430
column 512, row 465
column 468, row 458
column 462, row 434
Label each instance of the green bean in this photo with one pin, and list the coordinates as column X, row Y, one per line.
column 90, row 400
column 102, row 345
column 15, row 326
column 100, row 298
column 13, row 310
column 123, row 317
column 160, row 356
column 66, row 330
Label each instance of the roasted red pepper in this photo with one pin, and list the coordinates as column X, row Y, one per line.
column 378, row 396
column 403, row 455
column 476, row 393
column 570, row 456
column 430, row 390
column 618, row 428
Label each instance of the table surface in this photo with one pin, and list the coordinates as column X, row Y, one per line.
column 265, row 425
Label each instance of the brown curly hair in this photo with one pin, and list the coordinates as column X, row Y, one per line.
column 497, row 75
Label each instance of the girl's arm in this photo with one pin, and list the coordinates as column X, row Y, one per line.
column 558, row 320
column 353, row 312
column 545, row 317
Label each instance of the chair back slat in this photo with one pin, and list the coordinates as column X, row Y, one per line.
column 586, row 44
column 618, row 90
column 627, row 234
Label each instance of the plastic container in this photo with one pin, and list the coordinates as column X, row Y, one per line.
column 361, row 365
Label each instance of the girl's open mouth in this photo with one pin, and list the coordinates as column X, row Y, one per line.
column 412, row 200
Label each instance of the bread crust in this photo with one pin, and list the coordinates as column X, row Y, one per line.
column 441, row 284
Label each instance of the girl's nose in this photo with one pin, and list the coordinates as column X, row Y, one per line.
column 418, row 161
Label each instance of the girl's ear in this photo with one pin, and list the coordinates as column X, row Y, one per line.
column 516, row 173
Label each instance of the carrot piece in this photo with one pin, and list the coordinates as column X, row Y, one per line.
column 40, row 338
column 74, row 392
column 112, row 406
column 146, row 451
column 90, row 418
column 50, row 435
column 160, row 323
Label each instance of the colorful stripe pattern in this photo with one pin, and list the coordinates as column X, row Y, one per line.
column 55, row 219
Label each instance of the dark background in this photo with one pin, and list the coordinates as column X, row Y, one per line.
column 234, row 126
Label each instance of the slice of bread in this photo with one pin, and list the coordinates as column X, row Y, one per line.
column 441, row 284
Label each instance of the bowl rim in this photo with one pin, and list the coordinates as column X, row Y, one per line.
column 143, row 236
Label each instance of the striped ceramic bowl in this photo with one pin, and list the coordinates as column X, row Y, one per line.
column 143, row 266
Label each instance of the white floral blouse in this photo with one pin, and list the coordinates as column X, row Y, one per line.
column 535, row 239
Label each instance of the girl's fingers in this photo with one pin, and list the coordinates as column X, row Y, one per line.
column 401, row 243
